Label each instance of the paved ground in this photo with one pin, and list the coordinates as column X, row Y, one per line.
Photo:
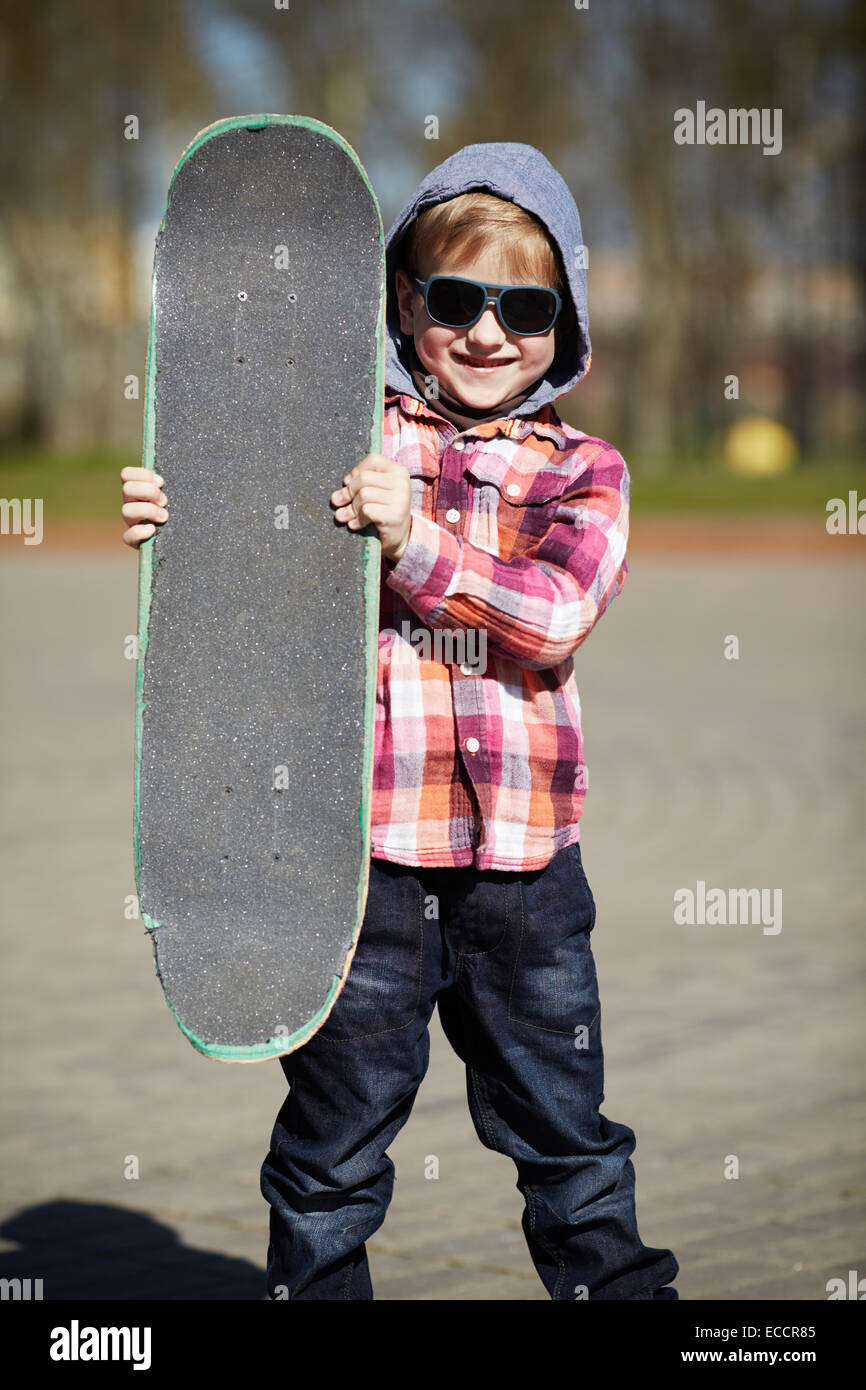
column 719, row 1040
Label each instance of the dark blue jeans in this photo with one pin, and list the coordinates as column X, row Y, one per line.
column 507, row 958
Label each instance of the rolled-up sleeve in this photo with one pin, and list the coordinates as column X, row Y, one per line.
column 539, row 606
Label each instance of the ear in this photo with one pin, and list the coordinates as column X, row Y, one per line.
column 407, row 297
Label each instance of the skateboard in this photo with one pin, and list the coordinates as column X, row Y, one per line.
column 257, row 612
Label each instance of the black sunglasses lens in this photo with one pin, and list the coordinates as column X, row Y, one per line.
column 453, row 302
column 528, row 311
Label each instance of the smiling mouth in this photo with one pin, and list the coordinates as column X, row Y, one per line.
column 484, row 364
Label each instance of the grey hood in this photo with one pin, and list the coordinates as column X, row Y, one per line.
column 521, row 174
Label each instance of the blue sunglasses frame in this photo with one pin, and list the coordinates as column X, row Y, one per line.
column 493, row 299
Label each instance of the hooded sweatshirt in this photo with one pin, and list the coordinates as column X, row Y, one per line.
column 520, row 174
column 516, row 548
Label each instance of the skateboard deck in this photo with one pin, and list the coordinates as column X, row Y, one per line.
column 257, row 612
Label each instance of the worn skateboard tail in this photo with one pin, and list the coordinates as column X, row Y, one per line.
column 257, row 613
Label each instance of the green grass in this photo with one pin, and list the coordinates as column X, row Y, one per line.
column 804, row 491
column 87, row 485
column 78, row 486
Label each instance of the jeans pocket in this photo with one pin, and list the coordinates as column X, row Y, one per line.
column 553, row 984
column 383, row 989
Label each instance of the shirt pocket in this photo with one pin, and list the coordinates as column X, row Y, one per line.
column 512, row 508
column 422, row 465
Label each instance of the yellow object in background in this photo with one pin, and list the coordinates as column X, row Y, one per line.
column 759, row 447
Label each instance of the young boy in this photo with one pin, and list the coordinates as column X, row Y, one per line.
column 498, row 520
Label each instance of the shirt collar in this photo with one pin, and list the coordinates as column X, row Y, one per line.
column 544, row 422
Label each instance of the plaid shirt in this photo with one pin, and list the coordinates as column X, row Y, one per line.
column 517, row 546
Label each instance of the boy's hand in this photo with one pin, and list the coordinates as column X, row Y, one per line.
column 377, row 490
column 143, row 498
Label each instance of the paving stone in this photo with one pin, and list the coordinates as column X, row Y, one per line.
column 718, row 1040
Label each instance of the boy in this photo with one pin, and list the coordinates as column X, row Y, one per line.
column 497, row 520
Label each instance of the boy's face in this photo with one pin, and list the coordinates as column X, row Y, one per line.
column 481, row 365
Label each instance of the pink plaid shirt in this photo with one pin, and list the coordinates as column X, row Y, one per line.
column 517, row 547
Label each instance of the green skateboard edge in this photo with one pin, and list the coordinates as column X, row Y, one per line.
column 371, row 561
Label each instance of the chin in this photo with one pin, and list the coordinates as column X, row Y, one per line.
column 478, row 400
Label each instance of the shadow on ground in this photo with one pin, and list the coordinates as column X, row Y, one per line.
column 94, row 1251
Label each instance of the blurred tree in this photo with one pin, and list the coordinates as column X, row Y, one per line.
column 710, row 230
column 71, row 75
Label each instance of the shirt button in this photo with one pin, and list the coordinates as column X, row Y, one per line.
column 513, row 490
column 467, row 670
column 458, row 444
column 472, row 745
column 452, row 514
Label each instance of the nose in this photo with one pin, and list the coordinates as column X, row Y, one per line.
column 487, row 332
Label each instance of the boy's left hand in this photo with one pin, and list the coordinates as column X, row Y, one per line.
column 377, row 490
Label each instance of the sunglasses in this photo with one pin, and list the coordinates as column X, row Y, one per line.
column 457, row 303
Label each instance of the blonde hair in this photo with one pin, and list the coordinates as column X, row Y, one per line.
column 469, row 223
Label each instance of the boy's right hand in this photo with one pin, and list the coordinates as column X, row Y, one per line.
column 143, row 498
